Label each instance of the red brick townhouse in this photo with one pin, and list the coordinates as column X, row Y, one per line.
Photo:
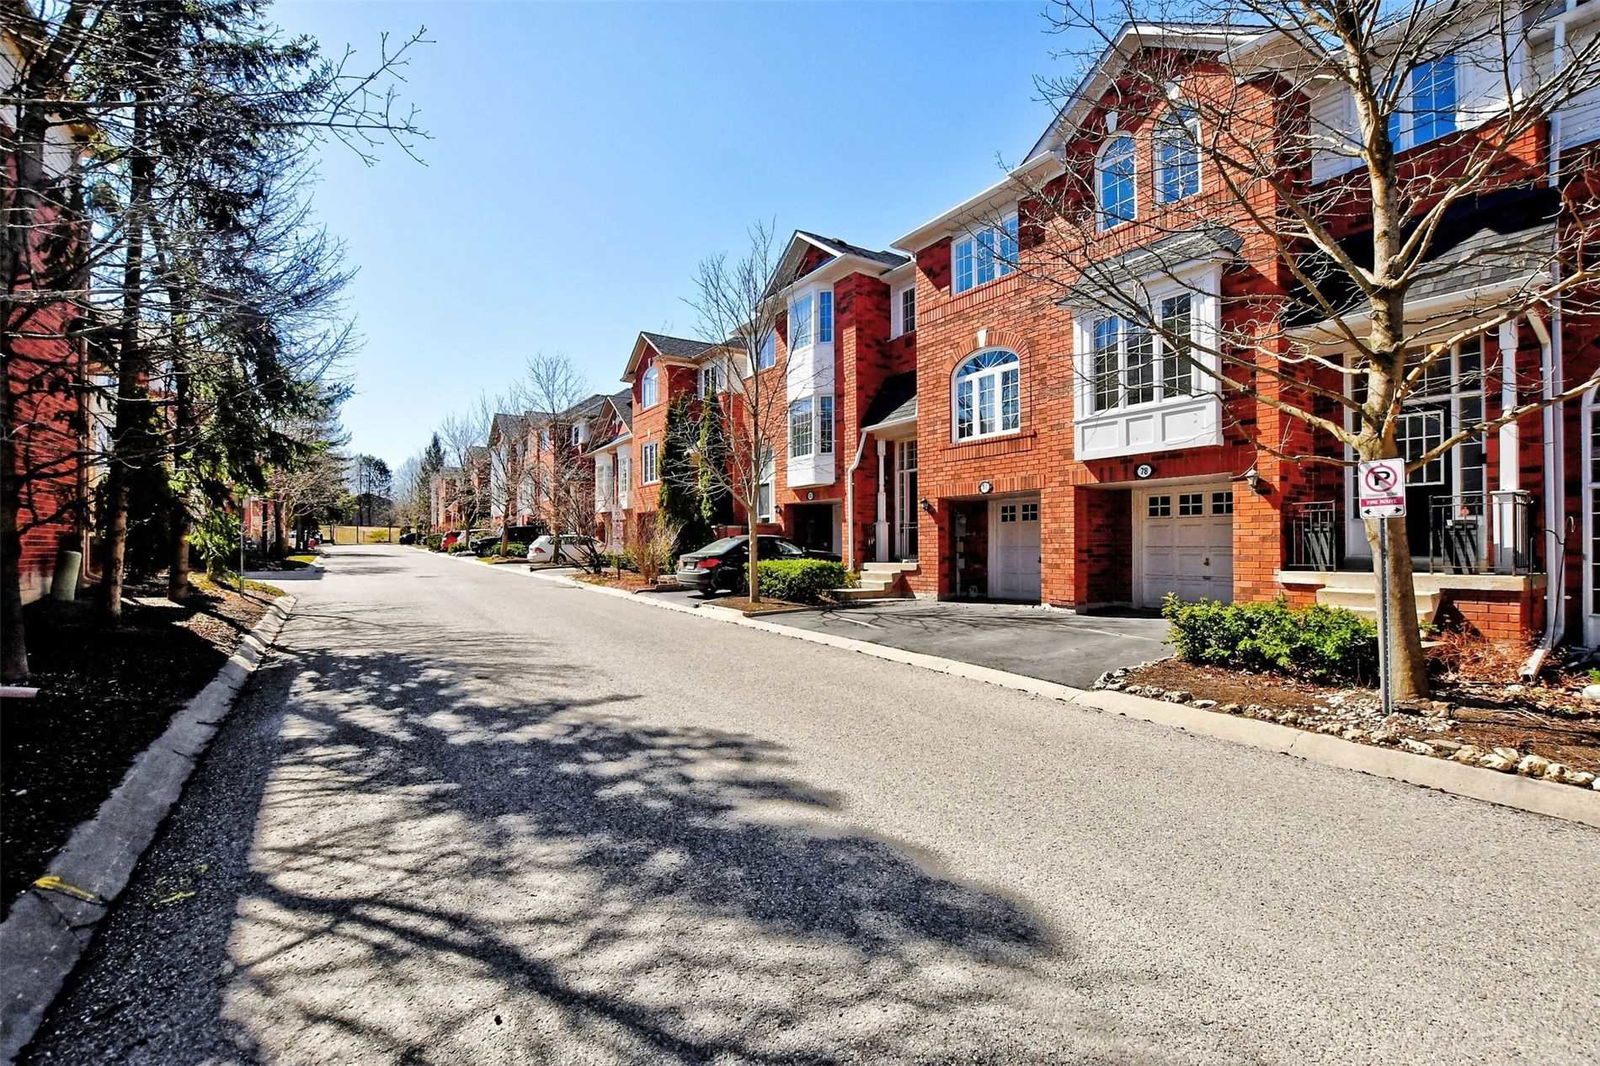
column 561, row 472
column 661, row 371
column 1060, row 458
column 46, row 373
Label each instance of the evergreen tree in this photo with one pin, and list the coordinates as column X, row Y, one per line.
column 681, row 505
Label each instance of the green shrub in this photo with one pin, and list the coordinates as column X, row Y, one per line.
column 435, row 541
column 800, row 580
column 1316, row 642
column 618, row 560
column 516, row 549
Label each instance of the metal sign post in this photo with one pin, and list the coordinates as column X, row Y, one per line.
column 1381, row 495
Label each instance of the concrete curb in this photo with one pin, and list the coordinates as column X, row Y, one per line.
column 49, row 928
column 1567, row 802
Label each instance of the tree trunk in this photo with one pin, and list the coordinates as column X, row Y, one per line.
column 755, row 557
column 182, row 522
column 132, row 409
column 13, row 636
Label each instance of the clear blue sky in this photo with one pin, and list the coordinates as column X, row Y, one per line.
column 586, row 156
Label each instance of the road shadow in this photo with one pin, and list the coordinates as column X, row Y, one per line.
column 432, row 848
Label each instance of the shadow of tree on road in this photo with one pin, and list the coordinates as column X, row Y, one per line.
column 431, row 848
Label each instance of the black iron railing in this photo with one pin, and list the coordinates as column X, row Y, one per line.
column 1477, row 534
column 1314, row 540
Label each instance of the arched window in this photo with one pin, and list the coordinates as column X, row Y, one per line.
column 988, row 394
column 1114, row 181
column 650, row 387
column 1178, row 155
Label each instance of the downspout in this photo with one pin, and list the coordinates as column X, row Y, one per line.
column 1555, row 480
column 850, row 502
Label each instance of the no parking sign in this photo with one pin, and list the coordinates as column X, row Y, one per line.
column 1381, row 488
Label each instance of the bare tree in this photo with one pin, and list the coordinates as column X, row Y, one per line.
column 1337, row 167
column 559, row 479
column 741, row 309
column 462, row 437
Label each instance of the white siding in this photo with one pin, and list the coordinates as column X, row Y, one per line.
column 1335, row 146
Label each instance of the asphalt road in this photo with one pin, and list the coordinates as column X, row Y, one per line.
column 469, row 816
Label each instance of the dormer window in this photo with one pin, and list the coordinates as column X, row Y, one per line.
column 1114, row 182
column 1178, row 155
column 650, row 387
column 985, row 254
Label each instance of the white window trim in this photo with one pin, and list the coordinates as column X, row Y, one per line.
column 650, row 387
column 1104, row 222
column 768, row 479
column 810, row 423
column 1002, row 269
column 1406, row 111
column 650, row 463
column 1201, row 410
column 1177, row 106
column 998, row 373
column 897, row 313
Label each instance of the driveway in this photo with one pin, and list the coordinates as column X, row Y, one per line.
column 1069, row 649
column 464, row 816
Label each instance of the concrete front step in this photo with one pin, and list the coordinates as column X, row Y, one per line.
column 1364, row 601
column 887, row 568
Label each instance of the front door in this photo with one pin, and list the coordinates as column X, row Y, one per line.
column 905, row 501
column 1014, row 550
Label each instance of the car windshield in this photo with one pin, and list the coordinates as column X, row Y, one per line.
column 717, row 547
column 781, row 546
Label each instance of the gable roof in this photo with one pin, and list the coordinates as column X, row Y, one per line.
column 896, row 400
column 794, row 253
column 1130, row 38
column 834, row 246
column 682, row 348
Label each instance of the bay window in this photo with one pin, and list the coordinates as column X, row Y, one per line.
column 825, row 316
column 988, row 397
column 1131, row 365
column 799, row 429
column 800, row 322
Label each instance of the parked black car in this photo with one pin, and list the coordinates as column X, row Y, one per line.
column 408, row 538
column 719, row 566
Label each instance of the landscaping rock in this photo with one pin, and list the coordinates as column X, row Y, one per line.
column 1415, row 747
column 1178, row 695
column 1229, row 708
column 1592, row 693
column 1446, row 745
column 1555, row 772
column 1467, row 753
column 1204, row 705
column 1511, row 755
column 1532, row 765
column 1381, row 736
column 1494, row 761
column 1581, row 778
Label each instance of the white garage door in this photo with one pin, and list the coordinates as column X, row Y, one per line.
column 1186, row 544
column 1014, row 550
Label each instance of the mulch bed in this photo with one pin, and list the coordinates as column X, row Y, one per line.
column 104, row 696
column 1549, row 720
column 740, row 603
column 628, row 582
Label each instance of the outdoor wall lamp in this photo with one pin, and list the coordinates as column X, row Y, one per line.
column 1254, row 481
column 926, row 504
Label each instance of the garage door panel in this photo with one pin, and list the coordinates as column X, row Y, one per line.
column 1190, row 556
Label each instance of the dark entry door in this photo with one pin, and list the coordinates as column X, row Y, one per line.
column 814, row 527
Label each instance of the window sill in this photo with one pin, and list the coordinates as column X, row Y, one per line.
column 986, row 438
column 956, row 294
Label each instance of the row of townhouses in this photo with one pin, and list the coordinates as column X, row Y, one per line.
column 983, row 432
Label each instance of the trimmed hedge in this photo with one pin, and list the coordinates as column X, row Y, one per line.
column 434, row 541
column 800, row 580
column 1316, row 642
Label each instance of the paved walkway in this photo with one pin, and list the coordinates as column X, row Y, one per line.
column 471, row 817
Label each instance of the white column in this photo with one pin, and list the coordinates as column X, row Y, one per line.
column 1510, row 447
column 881, row 552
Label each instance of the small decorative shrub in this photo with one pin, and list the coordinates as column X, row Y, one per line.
column 435, row 541
column 801, row 580
column 1470, row 657
column 1316, row 642
column 651, row 549
column 516, row 550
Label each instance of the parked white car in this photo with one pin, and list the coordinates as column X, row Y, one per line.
column 575, row 549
